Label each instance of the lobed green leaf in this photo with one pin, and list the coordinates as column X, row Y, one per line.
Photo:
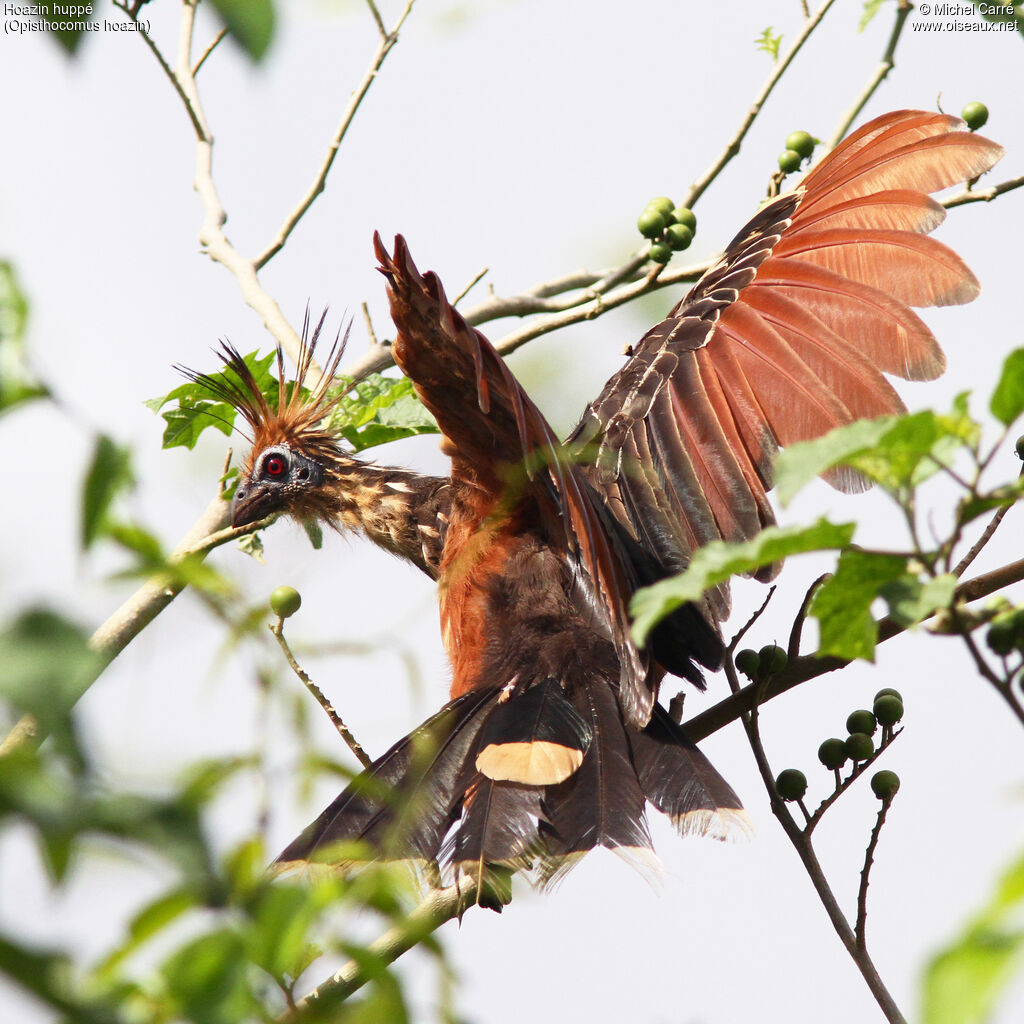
column 718, row 561
column 1008, row 398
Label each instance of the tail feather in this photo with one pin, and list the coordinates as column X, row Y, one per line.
column 403, row 805
column 426, row 800
column 681, row 782
column 602, row 804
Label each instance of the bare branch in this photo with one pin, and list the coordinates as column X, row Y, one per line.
column 698, row 188
column 206, row 53
column 887, row 63
column 440, row 906
column 985, row 195
column 388, row 40
column 860, row 929
column 344, row 732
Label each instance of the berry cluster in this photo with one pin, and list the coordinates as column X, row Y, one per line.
column 759, row 665
column 669, row 227
column 857, row 748
column 799, row 147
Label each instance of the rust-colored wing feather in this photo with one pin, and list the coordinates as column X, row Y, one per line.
column 786, row 337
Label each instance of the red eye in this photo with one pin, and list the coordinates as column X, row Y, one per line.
column 274, row 465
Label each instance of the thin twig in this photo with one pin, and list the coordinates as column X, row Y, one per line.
column 206, row 53
column 698, row 188
column 887, row 63
column 388, row 40
column 976, row 549
column 984, row 195
column 795, row 634
column 742, row 632
column 370, row 332
column 860, row 929
column 469, row 287
column 277, row 628
column 377, row 18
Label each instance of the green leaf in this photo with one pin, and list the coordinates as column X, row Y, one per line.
column 1008, row 398
column 195, row 407
column 150, row 921
column 47, row 976
column 249, row 22
column 894, row 451
column 68, row 33
column 207, row 979
column 963, row 982
column 314, row 532
column 842, row 604
column 769, row 43
column 800, row 463
column 109, row 474
column 912, row 600
column 382, row 409
column 47, row 666
column 16, row 383
column 716, row 562
column 871, row 8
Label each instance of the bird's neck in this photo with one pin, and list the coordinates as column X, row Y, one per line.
column 402, row 511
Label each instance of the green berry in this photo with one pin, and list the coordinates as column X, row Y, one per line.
column 749, row 663
column 679, row 236
column 663, row 205
column 660, row 252
column 1002, row 635
column 884, row 784
column 801, row 143
column 1019, row 447
column 861, row 721
column 888, row 691
column 975, row 114
column 791, row 784
column 685, row 216
column 859, row 746
column 789, row 161
column 832, row 753
column 285, row 602
column 651, row 223
column 888, row 709
column 773, row 659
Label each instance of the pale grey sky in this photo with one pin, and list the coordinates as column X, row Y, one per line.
column 524, row 137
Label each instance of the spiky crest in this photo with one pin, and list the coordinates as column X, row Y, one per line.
column 298, row 419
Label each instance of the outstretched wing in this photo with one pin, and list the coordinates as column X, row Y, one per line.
column 788, row 335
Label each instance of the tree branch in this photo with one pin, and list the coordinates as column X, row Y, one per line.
column 388, row 40
column 887, row 63
column 699, row 187
column 440, row 906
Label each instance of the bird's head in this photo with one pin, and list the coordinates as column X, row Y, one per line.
column 294, row 457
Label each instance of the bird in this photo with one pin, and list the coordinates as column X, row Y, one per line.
column 553, row 741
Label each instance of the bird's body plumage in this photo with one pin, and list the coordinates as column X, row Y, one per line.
column 554, row 740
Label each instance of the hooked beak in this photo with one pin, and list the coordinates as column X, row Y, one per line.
column 253, row 502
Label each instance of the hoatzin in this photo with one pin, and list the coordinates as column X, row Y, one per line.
column 553, row 740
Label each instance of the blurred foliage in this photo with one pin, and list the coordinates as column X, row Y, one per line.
column 964, row 981
column 224, row 941
column 769, row 43
column 17, row 384
column 249, row 22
